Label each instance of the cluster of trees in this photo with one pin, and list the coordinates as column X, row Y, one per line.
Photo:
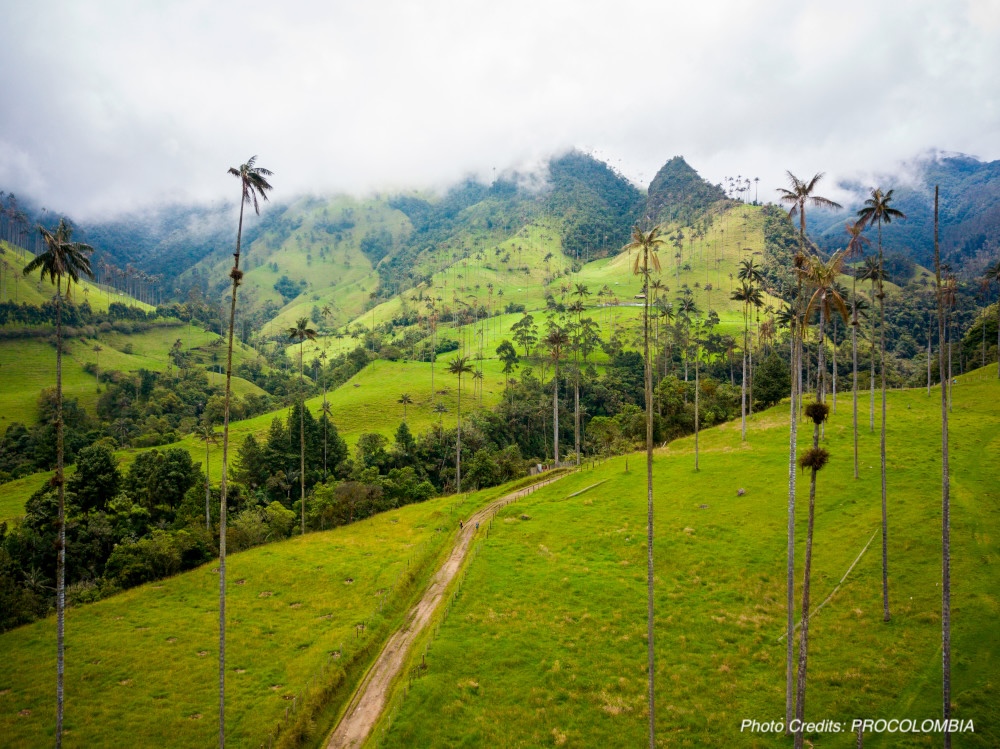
column 121, row 530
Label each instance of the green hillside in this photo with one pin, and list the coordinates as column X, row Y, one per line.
column 546, row 642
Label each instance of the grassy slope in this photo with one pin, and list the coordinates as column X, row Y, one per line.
column 29, row 365
column 32, row 290
column 142, row 666
column 546, row 644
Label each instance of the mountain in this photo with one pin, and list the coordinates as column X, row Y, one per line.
column 969, row 212
column 679, row 194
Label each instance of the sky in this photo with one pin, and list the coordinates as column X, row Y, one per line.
column 114, row 106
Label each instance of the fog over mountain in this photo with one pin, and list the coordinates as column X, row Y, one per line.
column 113, row 106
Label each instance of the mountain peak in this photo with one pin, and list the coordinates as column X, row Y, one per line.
column 678, row 192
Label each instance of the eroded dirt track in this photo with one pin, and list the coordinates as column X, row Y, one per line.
column 370, row 698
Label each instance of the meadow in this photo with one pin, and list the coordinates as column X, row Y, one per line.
column 546, row 643
column 303, row 615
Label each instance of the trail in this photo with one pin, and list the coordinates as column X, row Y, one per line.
column 369, row 700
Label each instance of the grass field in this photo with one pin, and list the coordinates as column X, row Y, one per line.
column 546, row 643
column 142, row 666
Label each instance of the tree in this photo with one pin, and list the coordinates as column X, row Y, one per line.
column 209, row 436
column 301, row 333
column 97, row 364
column 855, row 249
column 556, row 340
column 945, row 489
column 799, row 197
column 525, row 333
column 459, row 366
column 813, row 459
column 62, row 258
column 508, row 355
column 877, row 210
column 871, row 272
column 405, row 400
column 646, row 244
column 748, row 295
column 253, row 189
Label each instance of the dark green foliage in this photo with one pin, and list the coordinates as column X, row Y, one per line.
column 288, row 288
column 97, row 478
column 771, row 381
column 158, row 555
column 376, row 244
column 679, row 194
column 158, row 481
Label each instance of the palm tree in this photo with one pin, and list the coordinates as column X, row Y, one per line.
column 301, row 333
column 877, row 210
column 62, row 258
column 405, row 400
column 646, row 244
column 871, row 272
column 801, row 195
column 945, row 492
column 208, row 435
column 459, row 366
column 97, row 364
column 814, row 460
column 556, row 340
column 327, row 414
column 826, row 298
column 855, row 249
column 747, row 295
column 253, row 189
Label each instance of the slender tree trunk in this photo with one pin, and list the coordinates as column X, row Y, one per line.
column 576, row 414
column 743, row 387
column 208, row 493
column 871, row 356
column 930, row 340
column 696, row 415
column 458, row 441
column 555, row 413
column 945, row 503
column 800, row 704
column 885, row 516
column 236, row 276
column 61, row 551
column 302, row 439
column 650, row 650
column 793, row 422
column 854, row 388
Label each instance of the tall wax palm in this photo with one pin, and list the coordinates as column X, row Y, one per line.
column 62, row 258
column 855, row 249
column 945, row 490
column 581, row 293
column 646, row 244
column 556, row 340
column 405, row 400
column 877, row 210
column 301, row 333
column 871, row 272
column 748, row 295
column 208, row 435
column 459, row 366
column 752, row 274
column 327, row 415
column 799, row 196
column 253, row 190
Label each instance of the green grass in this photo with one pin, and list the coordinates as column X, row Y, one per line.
column 546, row 642
column 142, row 666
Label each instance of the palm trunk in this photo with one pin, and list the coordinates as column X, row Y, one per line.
column 930, row 338
column 854, row 358
column 458, row 441
column 945, row 504
column 871, row 356
column 743, row 387
column 790, row 577
column 208, row 494
column 235, row 274
column 576, row 414
column 885, row 517
column 650, row 650
column 555, row 413
column 800, row 704
column 696, row 401
column 302, row 439
column 61, row 551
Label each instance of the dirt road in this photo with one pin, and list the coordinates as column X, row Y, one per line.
column 369, row 700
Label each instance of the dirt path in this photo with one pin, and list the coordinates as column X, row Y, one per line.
column 369, row 700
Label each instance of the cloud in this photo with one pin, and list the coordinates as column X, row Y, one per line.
column 112, row 106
